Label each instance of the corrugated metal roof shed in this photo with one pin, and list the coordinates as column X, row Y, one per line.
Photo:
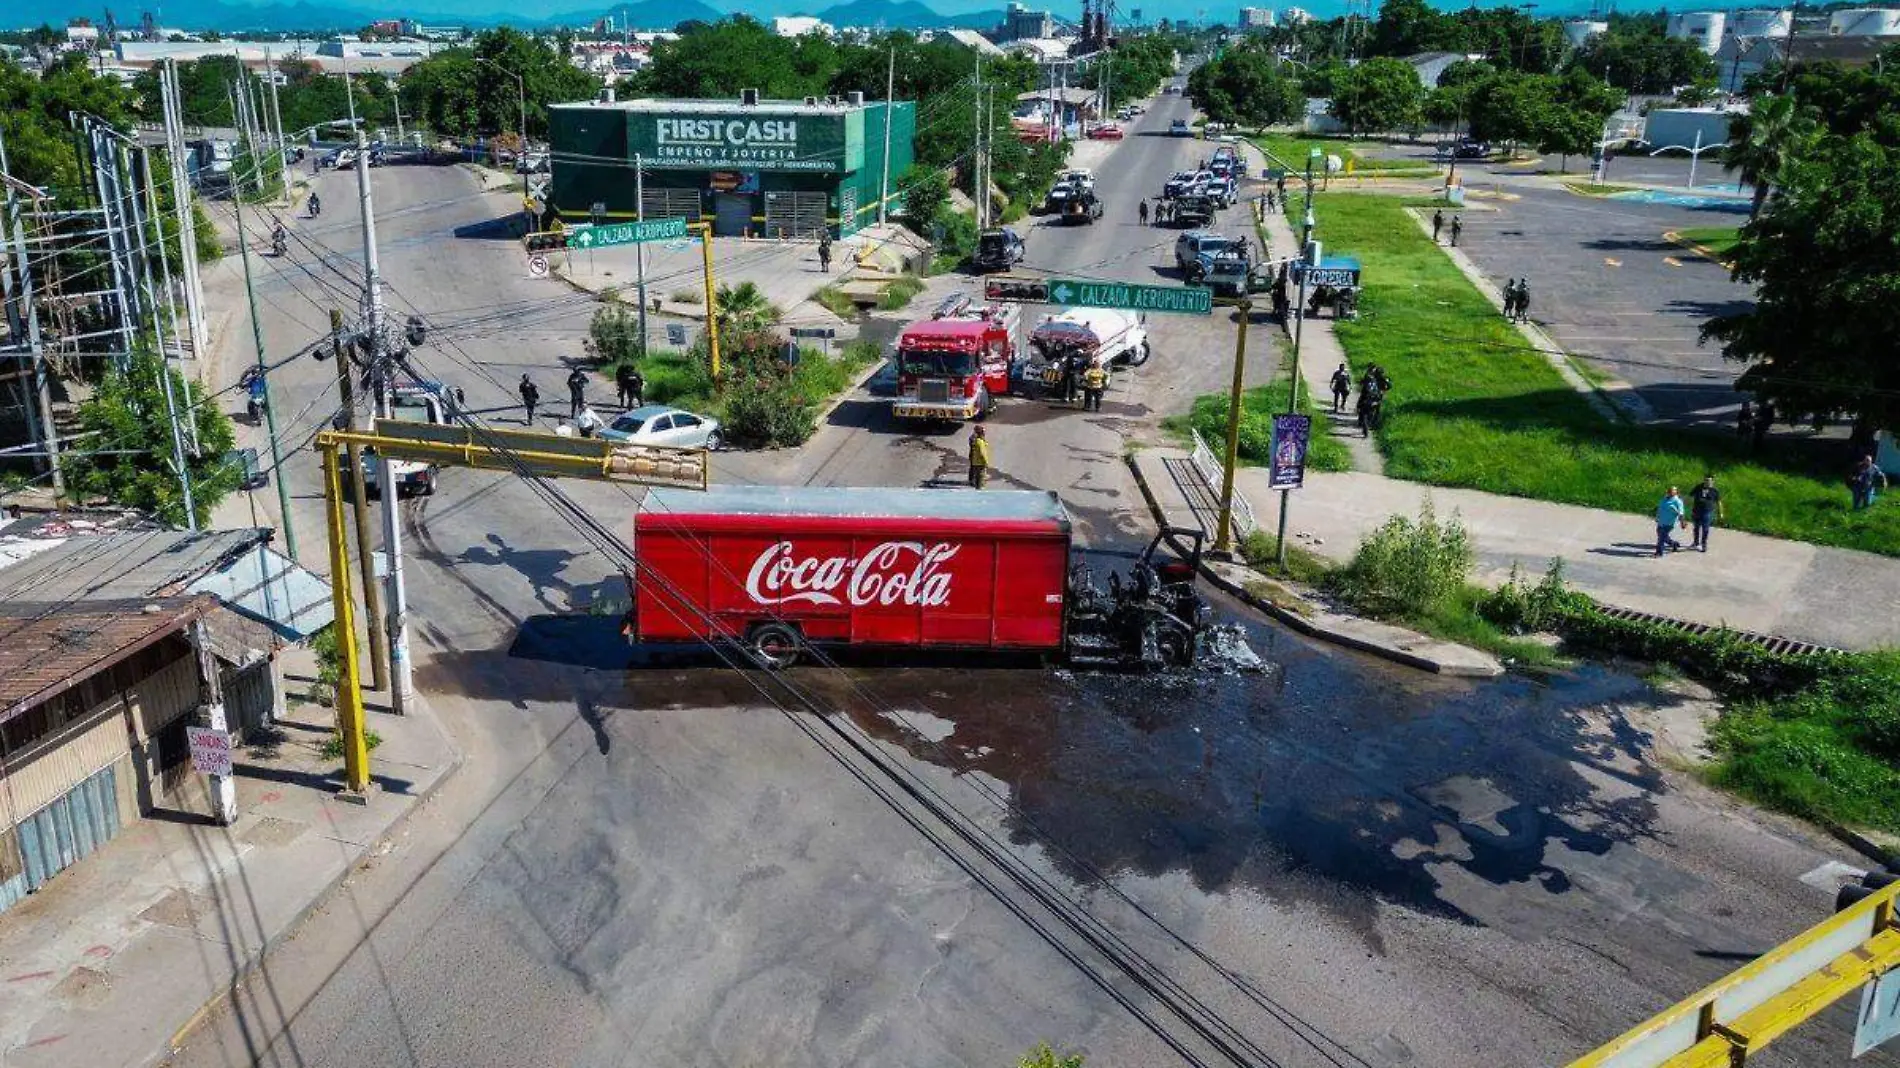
column 45, row 648
column 124, row 566
column 270, row 588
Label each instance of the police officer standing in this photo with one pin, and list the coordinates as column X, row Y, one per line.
column 1094, row 384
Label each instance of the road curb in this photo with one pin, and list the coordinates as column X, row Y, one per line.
column 1300, row 623
column 846, row 393
column 1675, row 237
column 250, row 965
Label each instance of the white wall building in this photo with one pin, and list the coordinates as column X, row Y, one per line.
column 1577, row 31
column 1865, row 22
column 800, row 25
column 1703, row 27
column 1256, row 18
column 1764, row 22
column 1294, row 16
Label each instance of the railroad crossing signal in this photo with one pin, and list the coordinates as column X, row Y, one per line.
column 627, row 233
column 1183, row 300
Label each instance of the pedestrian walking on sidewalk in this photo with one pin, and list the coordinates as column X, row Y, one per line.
column 1745, row 419
column 1144, row 211
column 1863, row 481
column 1523, row 300
column 824, row 252
column 1457, row 229
column 1438, row 223
column 1510, row 299
column 1669, row 516
column 1705, row 507
column 979, row 458
column 1342, row 387
column 530, row 396
column 1094, row 384
column 576, row 392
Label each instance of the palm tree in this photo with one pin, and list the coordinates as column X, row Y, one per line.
column 1762, row 142
column 743, row 308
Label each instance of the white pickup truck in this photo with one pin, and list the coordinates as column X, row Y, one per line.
column 1088, row 335
column 418, row 402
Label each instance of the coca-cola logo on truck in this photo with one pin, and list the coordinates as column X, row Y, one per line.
column 894, row 572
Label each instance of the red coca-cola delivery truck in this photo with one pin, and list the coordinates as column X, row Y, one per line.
column 781, row 569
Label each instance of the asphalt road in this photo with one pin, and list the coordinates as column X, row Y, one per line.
column 649, row 863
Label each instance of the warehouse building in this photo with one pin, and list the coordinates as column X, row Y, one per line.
column 768, row 168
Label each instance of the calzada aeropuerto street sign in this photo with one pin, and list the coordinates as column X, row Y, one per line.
column 1184, row 300
column 627, row 233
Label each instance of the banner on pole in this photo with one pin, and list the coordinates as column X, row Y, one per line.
column 1287, row 468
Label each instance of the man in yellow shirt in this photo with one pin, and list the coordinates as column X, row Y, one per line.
column 1094, row 384
column 979, row 458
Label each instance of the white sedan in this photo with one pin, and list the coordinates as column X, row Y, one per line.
column 657, row 424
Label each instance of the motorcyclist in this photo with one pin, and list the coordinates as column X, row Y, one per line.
column 279, row 240
column 254, row 384
column 316, row 206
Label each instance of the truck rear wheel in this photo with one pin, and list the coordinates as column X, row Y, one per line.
column 774, row 646
column 1139, row 356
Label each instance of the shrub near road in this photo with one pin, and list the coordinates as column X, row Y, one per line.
column 1475, row 405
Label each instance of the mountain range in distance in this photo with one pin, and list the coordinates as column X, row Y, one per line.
column 228, row 16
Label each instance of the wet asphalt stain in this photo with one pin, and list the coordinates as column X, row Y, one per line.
column 1328, row 779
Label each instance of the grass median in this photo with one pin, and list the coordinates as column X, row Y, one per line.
column 1475, row 405
column 1720, row 240
column 1291, row 152
column 1258, row 406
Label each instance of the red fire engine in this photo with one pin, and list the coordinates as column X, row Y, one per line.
column 780, row 569
column 953, row 365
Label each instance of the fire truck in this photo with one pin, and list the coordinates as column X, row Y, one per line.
column 953, row 365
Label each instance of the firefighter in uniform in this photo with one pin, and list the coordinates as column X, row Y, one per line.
column 1094, row 384
column 979, row 458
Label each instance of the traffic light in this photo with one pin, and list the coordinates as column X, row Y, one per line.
column 1870, row 884
column 1017, row 290
column 545, row 241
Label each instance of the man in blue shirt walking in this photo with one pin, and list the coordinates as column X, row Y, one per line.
column 1668, row 517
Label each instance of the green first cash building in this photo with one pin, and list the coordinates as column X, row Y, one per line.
column 767, row 168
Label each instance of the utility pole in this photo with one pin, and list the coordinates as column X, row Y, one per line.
column 164, row 364
column 1224, row 531
column 979, row 191
column 639, row 250
column 359, row 503
column 395, row 95
column 35, row 347
column 223, row 787
column 277, row 118
column 263, row 372
column 402, row 685
column 1310, row 257
column 181, row 205
column 890, row 86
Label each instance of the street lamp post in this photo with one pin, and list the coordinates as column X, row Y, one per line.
column 521, row 97
column 1695, row 153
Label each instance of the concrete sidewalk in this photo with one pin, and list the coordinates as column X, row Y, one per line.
column 1179, row 497
column 1791, row 589
column 115, row 956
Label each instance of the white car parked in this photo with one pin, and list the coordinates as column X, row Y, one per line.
column 657, row 424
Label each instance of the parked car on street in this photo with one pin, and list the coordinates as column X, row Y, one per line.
column 1195, row 250
column 657, row 424
column 1106, row 131
column 998, row 250
column 1180, row 128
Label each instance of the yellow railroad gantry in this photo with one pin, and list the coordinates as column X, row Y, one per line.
column 1719, row 1026
column 704, row 230
column 547, row 455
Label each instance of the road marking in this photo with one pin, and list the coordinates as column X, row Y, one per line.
column 1672, row 261
column 1612, row 262
column 1832, row 875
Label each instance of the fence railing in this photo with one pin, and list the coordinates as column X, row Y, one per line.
column 1210, row 469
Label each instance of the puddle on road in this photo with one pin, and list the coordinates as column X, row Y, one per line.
column 1320, row 776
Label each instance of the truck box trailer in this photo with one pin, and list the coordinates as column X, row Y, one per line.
column 781, row 569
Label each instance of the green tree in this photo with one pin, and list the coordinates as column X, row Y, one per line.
column 744, row 309
column 1246, row 85
column 131, row 436
column 1571, row 123
column 1820, row 257
column 1762, row 140
column 1407, row 27
column 1045, row 1056
column 1508, row 108
column 1639, row 59
column 474, row 90
column 926, row 192
column 1379, row 94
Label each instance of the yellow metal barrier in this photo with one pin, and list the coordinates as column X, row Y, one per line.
column 1719, row 1026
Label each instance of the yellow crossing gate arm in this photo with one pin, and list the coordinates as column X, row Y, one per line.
column 1739, row 1014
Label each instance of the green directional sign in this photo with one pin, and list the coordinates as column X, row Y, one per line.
column 1184, row 300
column 627, row 233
